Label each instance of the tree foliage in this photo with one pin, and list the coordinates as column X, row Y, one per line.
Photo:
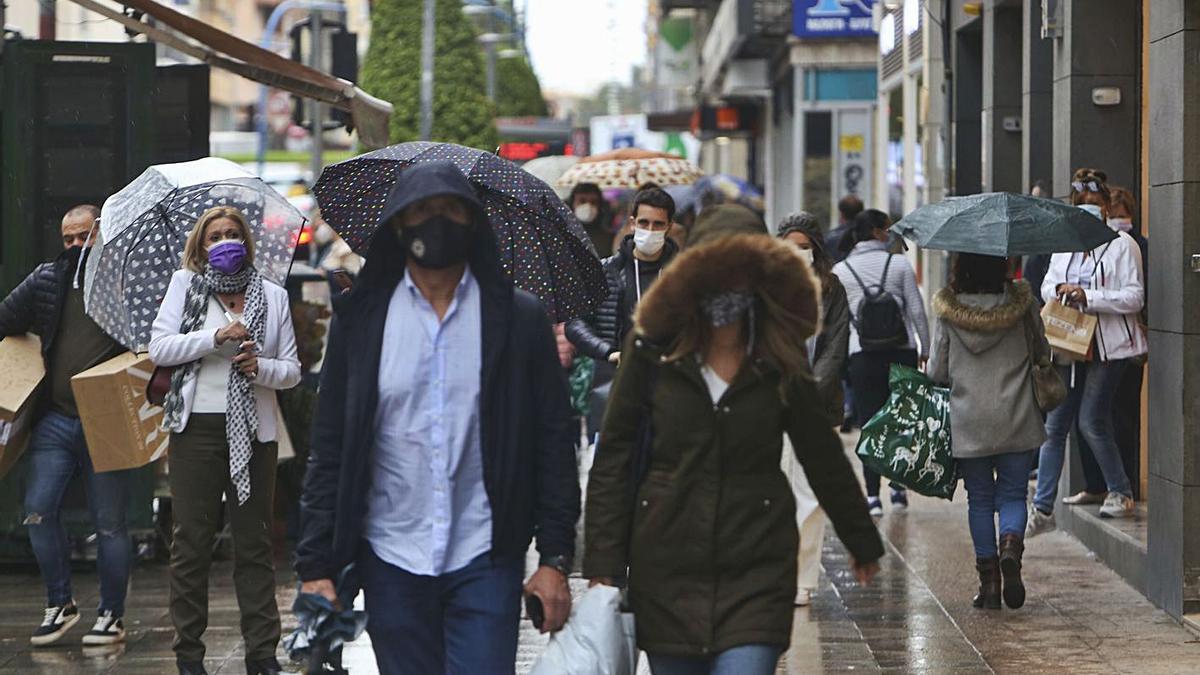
column 392, row 71
column 518, row 93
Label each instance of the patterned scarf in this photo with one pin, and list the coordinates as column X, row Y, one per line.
column 241, row 417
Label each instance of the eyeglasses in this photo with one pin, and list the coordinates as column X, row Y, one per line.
column 1090, row 186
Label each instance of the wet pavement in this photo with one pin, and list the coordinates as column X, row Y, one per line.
column 916, row 618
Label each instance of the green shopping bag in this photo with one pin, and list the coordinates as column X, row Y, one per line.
column 908, row 440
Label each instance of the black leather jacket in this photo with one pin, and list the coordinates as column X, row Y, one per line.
column 601, row 333
column 35, row 305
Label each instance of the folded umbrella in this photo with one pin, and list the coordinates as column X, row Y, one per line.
column 1005, row 225
column 324, row 628
column 144, row 227
column 542, row 247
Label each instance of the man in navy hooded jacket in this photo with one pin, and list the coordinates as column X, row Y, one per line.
column 442, row 442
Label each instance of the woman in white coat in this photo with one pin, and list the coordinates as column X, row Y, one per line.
column 228, row 334
column 1108, row 283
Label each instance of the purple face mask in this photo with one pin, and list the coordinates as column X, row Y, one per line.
column 226, row 256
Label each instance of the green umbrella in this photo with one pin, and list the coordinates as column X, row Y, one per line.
column 1004, row 224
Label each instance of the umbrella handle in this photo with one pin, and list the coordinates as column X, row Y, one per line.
column 86, row 242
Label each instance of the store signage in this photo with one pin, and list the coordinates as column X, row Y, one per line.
column 852, row 171
column 523, row 152
column 832, row 18
column 727, row 120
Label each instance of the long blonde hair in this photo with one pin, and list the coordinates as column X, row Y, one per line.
column 195, row 257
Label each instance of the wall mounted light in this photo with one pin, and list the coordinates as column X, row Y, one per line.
column 1106, row 96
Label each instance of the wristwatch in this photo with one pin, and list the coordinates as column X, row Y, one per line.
column 562, row 563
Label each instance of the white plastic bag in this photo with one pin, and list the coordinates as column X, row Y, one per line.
column 597, row 640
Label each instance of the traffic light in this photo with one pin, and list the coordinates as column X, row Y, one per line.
column 341, row 53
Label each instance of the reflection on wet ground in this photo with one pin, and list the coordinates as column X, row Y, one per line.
column 1080, row 617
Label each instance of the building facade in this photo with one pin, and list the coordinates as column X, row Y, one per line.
column 1018, row 92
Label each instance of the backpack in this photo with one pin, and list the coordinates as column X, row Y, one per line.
column 880, row 318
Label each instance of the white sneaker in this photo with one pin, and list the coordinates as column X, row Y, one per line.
column 1039, row 523
column 1117, row 506
column 108, row 630
column 56, row 621
column 875, row 507
column 803, row 597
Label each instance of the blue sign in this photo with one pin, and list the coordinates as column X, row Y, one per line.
column 832, row 18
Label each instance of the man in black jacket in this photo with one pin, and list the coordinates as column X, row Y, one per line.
column 636, row 265
column 48, row 304
column 442, row 441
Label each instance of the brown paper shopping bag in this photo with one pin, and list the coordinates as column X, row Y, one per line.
column 1069, row 331
column 121, row 427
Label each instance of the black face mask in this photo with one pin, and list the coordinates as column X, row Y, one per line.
column 436, row 242
column 76, row 255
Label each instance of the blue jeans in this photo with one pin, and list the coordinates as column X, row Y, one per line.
column 56, row 450
column 740, row 660
column 461, row 622
column 1091, row 399
column 996, row 484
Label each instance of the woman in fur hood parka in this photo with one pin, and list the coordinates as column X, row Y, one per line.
column 715, row 373
column 986, row 330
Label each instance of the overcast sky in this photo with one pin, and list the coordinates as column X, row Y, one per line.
column 574, row 48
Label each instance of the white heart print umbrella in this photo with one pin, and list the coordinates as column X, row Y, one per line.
column 143, row 229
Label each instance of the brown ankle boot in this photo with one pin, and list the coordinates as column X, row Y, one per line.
column 989, row 583
column 1012, row 547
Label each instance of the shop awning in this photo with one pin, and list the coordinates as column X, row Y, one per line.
column 229, row 52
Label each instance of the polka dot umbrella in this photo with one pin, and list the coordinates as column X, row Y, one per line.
column 143, row 228
column 630, row 168
column 542, row 247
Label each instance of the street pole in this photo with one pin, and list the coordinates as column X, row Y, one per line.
column 318, row 109
column 427, row 38
column 47, row 18
column 490, row 49
column 266, row 42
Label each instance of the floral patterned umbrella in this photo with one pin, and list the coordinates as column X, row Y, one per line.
column 143, row 229
column 630, row 168
column 542, row 247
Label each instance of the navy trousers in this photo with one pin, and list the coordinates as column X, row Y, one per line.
column 465, row 621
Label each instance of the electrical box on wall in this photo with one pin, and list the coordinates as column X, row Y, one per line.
column 1012, row 123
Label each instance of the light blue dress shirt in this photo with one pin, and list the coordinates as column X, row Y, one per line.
column 428, row 511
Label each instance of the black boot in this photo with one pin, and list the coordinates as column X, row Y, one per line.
column 1011, row 549
column 267, row 666
column 989, row 583
column 191, row 668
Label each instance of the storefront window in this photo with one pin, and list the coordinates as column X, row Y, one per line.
column 895, row 151
column 818, row 164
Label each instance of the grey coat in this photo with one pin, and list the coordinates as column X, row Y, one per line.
column 982, row 352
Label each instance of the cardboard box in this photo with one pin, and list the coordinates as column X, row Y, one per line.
column 120, row 426
column 21, row 373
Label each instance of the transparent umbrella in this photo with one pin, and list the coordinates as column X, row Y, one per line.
column 143, row 229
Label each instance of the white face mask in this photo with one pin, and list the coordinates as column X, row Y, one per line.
column 648, row 242
column 1121, row 224
column 807, row 254
column 1092, row 209
column 586, row 212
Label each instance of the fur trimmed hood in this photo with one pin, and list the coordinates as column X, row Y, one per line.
column 984, row 324
column 1016, row 303
column 787, row 293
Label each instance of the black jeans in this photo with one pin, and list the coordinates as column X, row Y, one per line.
column 199, row 475
column 869, row 379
